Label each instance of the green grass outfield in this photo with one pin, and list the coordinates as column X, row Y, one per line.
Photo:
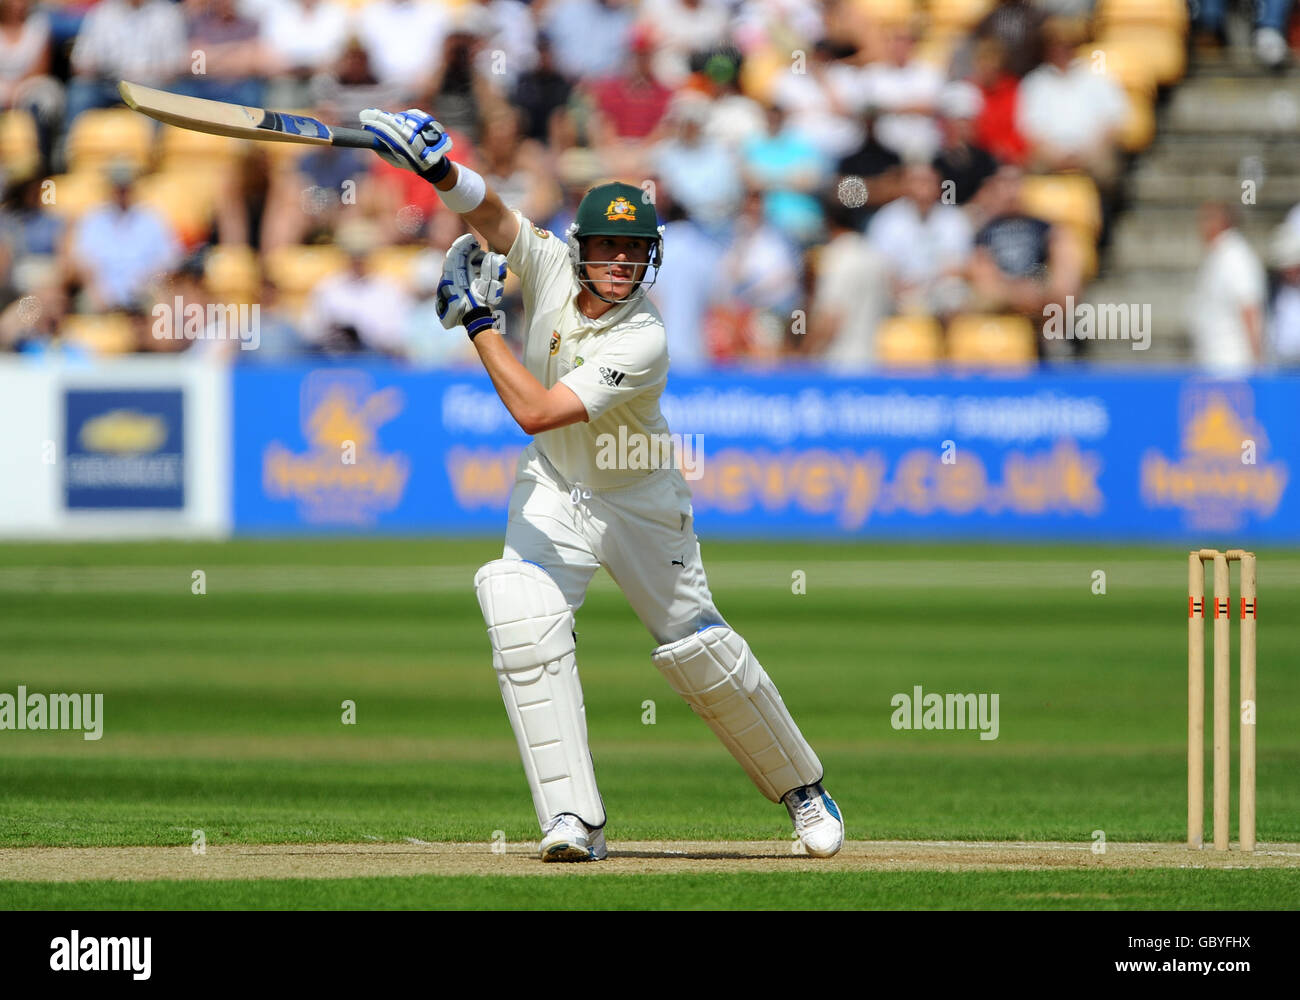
column 222, row 714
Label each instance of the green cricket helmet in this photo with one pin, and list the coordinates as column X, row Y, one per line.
column 616, row 209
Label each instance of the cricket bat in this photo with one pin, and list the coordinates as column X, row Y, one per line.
column 239, row 122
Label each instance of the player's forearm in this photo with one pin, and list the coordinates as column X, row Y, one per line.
column 534, row 407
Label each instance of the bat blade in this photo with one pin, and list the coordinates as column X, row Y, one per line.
column 238, row 121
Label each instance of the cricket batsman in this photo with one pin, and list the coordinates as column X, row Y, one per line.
column 595, row 360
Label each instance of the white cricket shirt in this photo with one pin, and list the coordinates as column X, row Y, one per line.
column 617, row 365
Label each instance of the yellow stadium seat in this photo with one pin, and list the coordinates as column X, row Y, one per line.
column 908, row 342
column 99, row 137
column 890, row 12
column 186, row 199
column 181, row 146
column 296, row 270
column 1084, row 244
column 19, row 151
column 1140, row 126
column 397, row 263
column 760, row 71
column 232, row 272
column 1124, row 60
column 1162, row 48
column 1065, row 199
column 110, row 333
column 284, row 154
column 991, row 341
column 937, row 48
column 957, row 16
column 72, row 194
column 1171, row 14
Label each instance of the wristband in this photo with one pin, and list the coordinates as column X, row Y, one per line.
column 477, row 320
column 467, row 193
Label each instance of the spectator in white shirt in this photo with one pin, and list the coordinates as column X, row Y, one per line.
column 824, row 100
column 734, row 118
column 759, row 22
column 120, row 247
column 699, row 172
column 850, row 295
column 1069, row 114
column 509, row 41
column 404, row 39
column 138, row 40
column 357, row 311
column 301, row 37
column 683, row 27
column 926, row 243
column 1226, row 310
column 905, row 93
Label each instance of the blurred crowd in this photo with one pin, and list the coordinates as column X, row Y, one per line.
column 859, row 183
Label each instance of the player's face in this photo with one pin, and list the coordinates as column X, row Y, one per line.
column 616, row 263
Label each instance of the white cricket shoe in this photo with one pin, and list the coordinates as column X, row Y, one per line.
column 816, row 818
column 567, row 838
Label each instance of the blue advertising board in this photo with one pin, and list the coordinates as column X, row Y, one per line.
column 1071, row 456
column 124, row 449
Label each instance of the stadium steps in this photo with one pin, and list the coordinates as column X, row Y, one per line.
column 1165, row 238
column 1229, row 121
column 1204, row 166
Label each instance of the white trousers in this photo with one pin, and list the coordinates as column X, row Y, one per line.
column 643, row 535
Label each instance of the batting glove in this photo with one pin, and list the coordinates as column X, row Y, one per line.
column 413, row 140
column 473, row 283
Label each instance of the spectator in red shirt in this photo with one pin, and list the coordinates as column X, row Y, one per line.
column 995, row 128
column 628, row 110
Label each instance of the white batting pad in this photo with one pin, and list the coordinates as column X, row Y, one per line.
column 723, row 682
column 531, row 630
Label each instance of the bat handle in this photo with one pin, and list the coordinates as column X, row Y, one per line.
column 357, row 138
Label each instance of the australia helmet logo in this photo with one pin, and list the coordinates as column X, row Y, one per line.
column 621, row 209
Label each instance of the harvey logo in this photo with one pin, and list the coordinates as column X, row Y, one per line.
column 1222, row 473
column 344, row 476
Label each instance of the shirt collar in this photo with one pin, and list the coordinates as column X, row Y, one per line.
column 607, row 318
